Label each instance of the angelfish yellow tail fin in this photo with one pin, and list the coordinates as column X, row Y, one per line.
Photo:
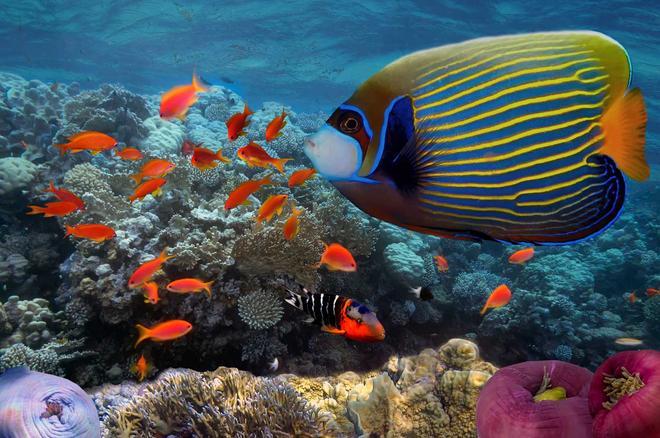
column 624, row 128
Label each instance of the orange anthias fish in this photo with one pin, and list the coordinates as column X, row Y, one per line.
column 66, row 196
column 147, row 269
column 498, row 298
column 59, row 208
column 176, row 102
column 237, row 123
column 188, row 285
column 150, row 292
column 129, row 154
column 522, row 256
column 651, row 292
column 91, row 141
column 151, row 187
column 274, row 128
column 337, row 258
column 344, row 316
column 165, row 331
column 241, row 193
column 441, row 263
column 292, row 224
column 95, row 232
column 141, row 368
column 205, row 159
column 632, row 297
column 255, row 155
column 299, row 177
column 153, row 169
column 271, row 207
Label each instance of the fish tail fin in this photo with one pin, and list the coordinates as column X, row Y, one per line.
column 62, row 147
column 221, row 157
column 163, row 257
column 69, row 230
column 624, row 128
column 247, row 111
column 279, row 164
column 295, row 299
column 143, row 334
column 484, row 309
column 207, row 287
column 199, row 84
column 137, row 178
column 51, row 187
column 35, row 209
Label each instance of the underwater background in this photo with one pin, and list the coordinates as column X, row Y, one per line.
column 65, row 308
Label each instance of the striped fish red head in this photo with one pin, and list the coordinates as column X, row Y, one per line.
column 361, row 324
column 519, row 139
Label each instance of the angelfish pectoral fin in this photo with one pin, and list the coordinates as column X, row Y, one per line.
column 332, row 330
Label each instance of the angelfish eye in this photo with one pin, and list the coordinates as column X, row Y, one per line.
column 350, row 123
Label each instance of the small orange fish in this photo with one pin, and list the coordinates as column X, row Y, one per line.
column 299, row 177
column 205, row 159
column 271, row 207
column 150, row 292
column 441, row 263
column 95, row 232
column 59, row 208
column 651, row 292
column 92, row 141
column 147, row 269
column 176, row 102
column 255, row 155
column 187, row 285
column 337, row 258
column 292, row 224
column 151, row 187
column 499, row 297
column 66, row 196
column 165, row 331
column 237, row 123
column 25, row 145
column 522, row 256
column 156, row 168
column 274, row 128
column 241, row 193
column 141, row 368
column 129, row 154
column 632, row 297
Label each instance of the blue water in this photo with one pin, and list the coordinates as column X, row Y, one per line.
column 310, row 54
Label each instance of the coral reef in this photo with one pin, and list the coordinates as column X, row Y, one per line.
column 33, row 323
column 15, row 174
column 260, row 309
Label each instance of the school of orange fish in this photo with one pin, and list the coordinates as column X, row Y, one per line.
column 151, row 178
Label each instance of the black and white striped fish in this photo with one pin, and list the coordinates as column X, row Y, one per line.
column 339, row 315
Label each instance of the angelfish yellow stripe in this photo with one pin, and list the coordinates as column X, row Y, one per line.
column 520, row 166
column 505, row 92
column 463, row 49
column 517, row 104
column 512, row 63
column 518, row 73
column 516, row 181
column 498, row 56
column 509, row 139
column 521, row 151
column 560, row 198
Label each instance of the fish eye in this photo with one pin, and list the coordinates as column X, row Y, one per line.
column 350, row 122
column 359, row 320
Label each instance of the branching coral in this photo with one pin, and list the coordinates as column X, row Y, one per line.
column 222, row 403
column 260, row 309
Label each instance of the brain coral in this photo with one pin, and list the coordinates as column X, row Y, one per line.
column 15, row 174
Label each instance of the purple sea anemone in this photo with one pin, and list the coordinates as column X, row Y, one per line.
column 624, row 398
column 507, row 408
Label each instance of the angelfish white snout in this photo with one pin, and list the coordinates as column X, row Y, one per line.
column 335, row 155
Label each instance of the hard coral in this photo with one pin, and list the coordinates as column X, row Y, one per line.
column 260, row 309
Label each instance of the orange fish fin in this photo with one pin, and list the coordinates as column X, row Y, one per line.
column 624, row 128
column 62, row 147
column 35, row 209
column 279, row 164
column 137, row 178
column 143, row 334
column 163, row 257
column 69, row 230
column 76, row 151
column 485, row 308
column 332, row 330
column 94, row 152
column 247, row 110
column 198, row 84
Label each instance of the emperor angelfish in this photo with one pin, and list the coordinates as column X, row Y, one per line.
column 518, row 139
